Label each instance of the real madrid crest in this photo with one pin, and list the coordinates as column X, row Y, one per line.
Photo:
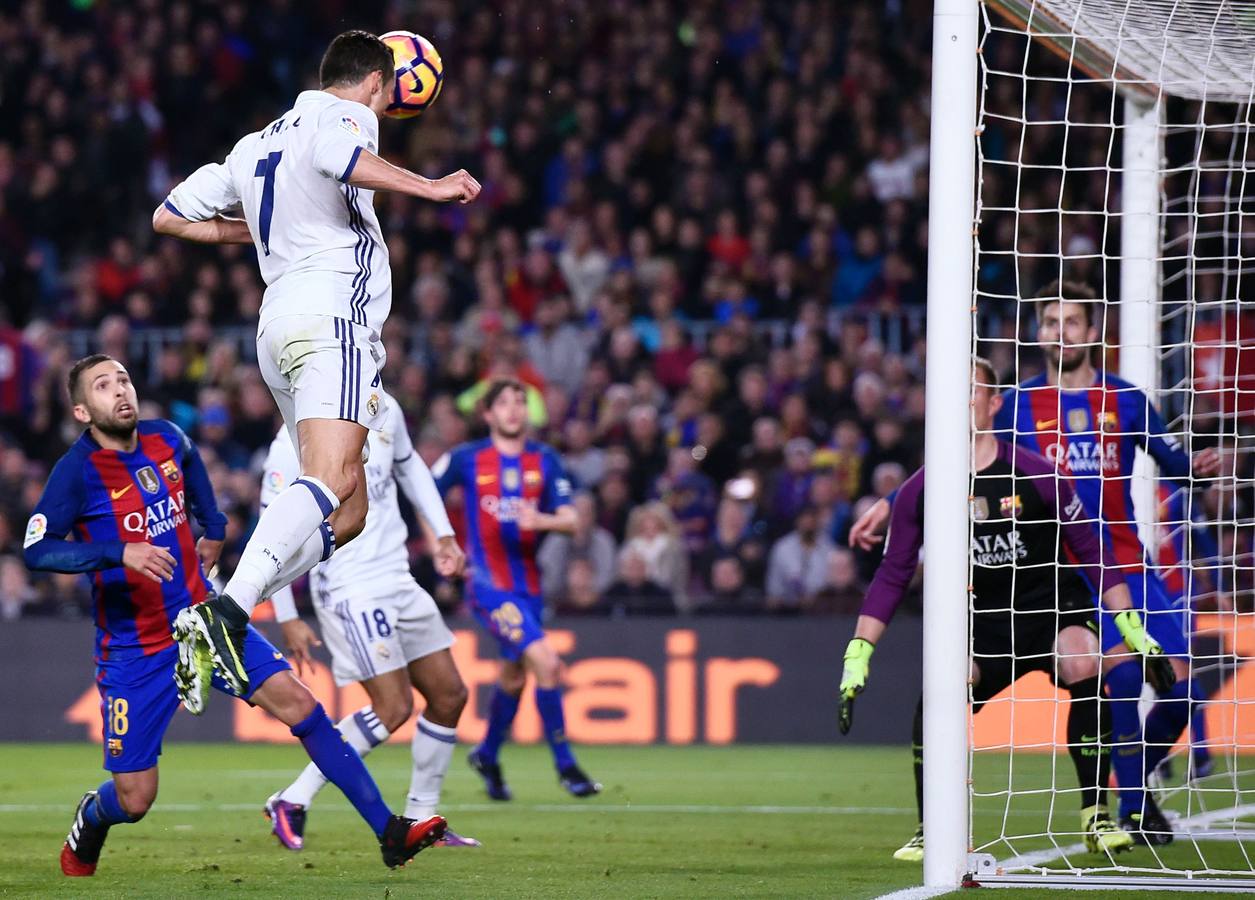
column 147, row 479
column 372, row 405
column 510, row 479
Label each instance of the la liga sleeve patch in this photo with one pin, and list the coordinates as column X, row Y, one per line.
column 36, row 528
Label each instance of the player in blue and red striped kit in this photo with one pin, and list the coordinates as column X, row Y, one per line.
column 124, row 491
column 514, row 489
column 1091, row 424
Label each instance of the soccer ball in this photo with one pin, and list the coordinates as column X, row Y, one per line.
column 420, row 73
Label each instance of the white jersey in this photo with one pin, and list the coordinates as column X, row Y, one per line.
column 377, row 557
column 318, row 241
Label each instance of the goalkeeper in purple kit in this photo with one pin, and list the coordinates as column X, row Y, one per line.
column 1023, row 514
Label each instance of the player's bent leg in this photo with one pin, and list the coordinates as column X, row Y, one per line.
column 400, row 839
column 546, row 667
column 363, row 730
column 1077, row 661
column 331, row 451
column 502, row 709
column 125, row 798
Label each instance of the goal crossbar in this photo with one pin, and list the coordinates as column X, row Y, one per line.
column 1196, row 49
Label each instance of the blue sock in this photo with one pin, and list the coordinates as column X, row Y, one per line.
column 1198, row 727
column 343, row 767
column 1124, row 688
column 549, row 704
column 501, row 713
column 106, row 810
column 1165, row 722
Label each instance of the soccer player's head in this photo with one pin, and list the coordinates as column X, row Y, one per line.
column 986, row 396
column 1066, row 323
column 102, row 395
column 505, row 408
column 359, row 63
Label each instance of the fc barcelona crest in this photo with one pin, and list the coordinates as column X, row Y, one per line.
column 1078, row 420
column 171, row 471
column 980, row 509
column 147, row 479
column 510, row 479
column 1011, row 507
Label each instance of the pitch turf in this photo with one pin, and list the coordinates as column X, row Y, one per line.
column 672, row 822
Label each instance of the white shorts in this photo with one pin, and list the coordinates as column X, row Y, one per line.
column 322, row 367
column 369, row 634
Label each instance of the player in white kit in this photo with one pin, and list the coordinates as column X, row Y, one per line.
column 305, row 185
column 383, row 630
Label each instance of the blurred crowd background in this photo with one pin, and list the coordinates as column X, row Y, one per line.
column 701, row 243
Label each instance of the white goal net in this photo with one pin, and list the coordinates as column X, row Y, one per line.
column 1114, row 149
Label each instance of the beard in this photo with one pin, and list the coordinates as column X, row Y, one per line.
column 509, row 433
column 115, row 427
column 1068, row 362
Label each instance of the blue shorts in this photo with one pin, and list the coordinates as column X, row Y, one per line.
column 1166, row 621
column 138, row 699
column 513, row 619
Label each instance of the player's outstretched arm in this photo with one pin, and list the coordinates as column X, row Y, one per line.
column 218, row 230
column 374, row 173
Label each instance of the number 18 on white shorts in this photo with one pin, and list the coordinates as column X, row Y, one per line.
column 370, row 632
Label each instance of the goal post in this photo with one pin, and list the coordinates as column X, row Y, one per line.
column 947, row 441
column 1109, row 142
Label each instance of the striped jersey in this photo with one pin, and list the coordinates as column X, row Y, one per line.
column 495, row 488
column 319, row 245
column 106, row 499
column 1093, row 435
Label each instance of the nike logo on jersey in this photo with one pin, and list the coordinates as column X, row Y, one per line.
column 114, row 495
column 1043, row 424
column 485, row 479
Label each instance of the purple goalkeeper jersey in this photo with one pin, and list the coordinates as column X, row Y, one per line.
column 1030, row 539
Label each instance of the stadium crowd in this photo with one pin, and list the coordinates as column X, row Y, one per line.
column 702, row 247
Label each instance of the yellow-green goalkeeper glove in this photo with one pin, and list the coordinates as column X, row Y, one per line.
column 1159, row 673
column 858, row 659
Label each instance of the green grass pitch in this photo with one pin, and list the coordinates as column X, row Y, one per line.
column 672, row 822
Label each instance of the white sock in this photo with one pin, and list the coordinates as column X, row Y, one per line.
column 362, row 731
column 282, row 532
column 431, row 750
column 317, row 547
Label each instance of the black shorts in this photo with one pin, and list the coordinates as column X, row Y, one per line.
column 1008, row 645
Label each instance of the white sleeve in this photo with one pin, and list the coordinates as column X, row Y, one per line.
column 285, row 604
column 280, row 469
column 416, row 480
column 207, row 192
column 340, row 139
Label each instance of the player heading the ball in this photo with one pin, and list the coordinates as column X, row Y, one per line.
column 305, row 186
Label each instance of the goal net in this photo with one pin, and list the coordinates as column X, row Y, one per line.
column 1114, row 149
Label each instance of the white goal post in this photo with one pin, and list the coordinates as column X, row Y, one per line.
column 1151, row 104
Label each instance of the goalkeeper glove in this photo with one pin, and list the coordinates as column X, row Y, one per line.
column 858, row 658
column 1159, row 672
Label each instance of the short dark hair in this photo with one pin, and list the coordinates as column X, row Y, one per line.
column 499, row 387
column 1068, row 292
column 72, row 385
column 352, row 56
